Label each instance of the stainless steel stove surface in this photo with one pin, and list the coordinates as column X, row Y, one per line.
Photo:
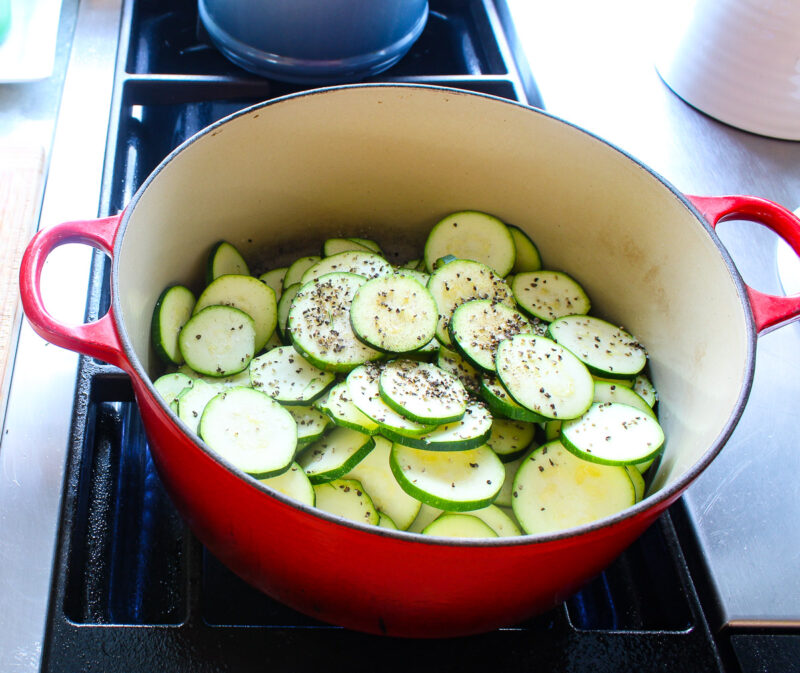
column 127, row 587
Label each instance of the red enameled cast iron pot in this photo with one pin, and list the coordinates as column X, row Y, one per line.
column 387, row 161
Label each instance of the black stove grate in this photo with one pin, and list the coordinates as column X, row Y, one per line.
column 133, row 590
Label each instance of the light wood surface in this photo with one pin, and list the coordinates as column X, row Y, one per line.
column 21, row 174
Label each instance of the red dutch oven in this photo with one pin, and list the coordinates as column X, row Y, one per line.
column 387, row 161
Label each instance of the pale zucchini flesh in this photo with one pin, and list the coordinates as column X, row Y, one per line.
column 287, row 377
column 459, row 525
column 334, row 455
column 172, row 311
column 548, row 295
column 293, row 483
column 218, row 341
column 348, row 499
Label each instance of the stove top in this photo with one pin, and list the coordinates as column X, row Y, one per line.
column 132, row 589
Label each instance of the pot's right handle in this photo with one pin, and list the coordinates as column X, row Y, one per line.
column 769, row 311
column 97, row 339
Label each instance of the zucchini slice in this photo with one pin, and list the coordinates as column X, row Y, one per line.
column 284, row 305
column 472, row 235
column 248, row 294
column 293, row 483
column 555, row 490
column 375, row 475
column 348, row 499
column 224, row 259
column 363, row 387
column 394, row 314
column 478, row 326
column 338, row 405
column 333, row 246
column 471, row 431
column 455, row 481
column 501, row 404
column 334, row 455
column 422, row 392
column 504, row 497
column 500, row 522
column 644, row 388
column 606, row 391
column 607, row 350
column 544, row 377
column 311, row 423
column 192, row 401
column 462, row 280
column 170, row 386
column 548, row 295
column 287, row 377
column 218, row 341
column 362, row 263
column 274, row 279
column 172, row 311
column 385, row 521
column 613, row 434
column 459, row 525
column 510, row 439
column 528, row 257
column 295, row 271
column 453, row 362
column 427, row 515
column 319, row 323
column 251, row 431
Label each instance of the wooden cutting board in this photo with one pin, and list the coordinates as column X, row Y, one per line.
column 21, row 175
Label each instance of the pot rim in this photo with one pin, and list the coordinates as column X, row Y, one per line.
column 663, row 497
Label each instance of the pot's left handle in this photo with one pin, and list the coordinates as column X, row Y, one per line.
column 769, row 311
column 97, row 339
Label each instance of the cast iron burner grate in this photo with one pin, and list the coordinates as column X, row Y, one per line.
column 134, row 590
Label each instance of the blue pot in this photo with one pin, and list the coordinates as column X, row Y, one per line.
column 314, row 41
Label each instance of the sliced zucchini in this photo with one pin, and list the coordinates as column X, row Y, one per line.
column 287, row 377
column 170, row 386
column 645, row 389
column 549, row 295
column 293, row 483
column 552, row 430
column 453, row 362
column 385, row 521
column 363, row 387
column 274, row 279
column 334, row 455
column 251, row 431
column 333, row 246
column 605, row 391
column 338, row 405
column 628, row 383
column 421, row 277
column 510, row 439
column 426, row 515
column 528, row 257
column 544, row 377
column 459, row 525
column 218, row 341
column 555, row 490
column 478, row 326
column 462, row 280
column 471, row 431
column 613, row 434
column 394, row 314
column 502, row 524
column 362, row 263
column 319, row 323
column 311, row 423
column 454, row 481
column 225, row 259
column 638, row 481
column 472, row 235
column 348, row 499
column 422, row 392
column 240, row 379
column 504, row 497
column 172, row 311
column 607, row 350
column 248, row 294
column 295, row 271
column 501, row 404
column 284, row 305
column 368, row 243
column 375, row 475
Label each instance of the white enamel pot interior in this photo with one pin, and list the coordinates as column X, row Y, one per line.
column 388, row 161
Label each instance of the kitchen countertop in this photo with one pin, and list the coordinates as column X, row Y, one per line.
column 593, row 66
